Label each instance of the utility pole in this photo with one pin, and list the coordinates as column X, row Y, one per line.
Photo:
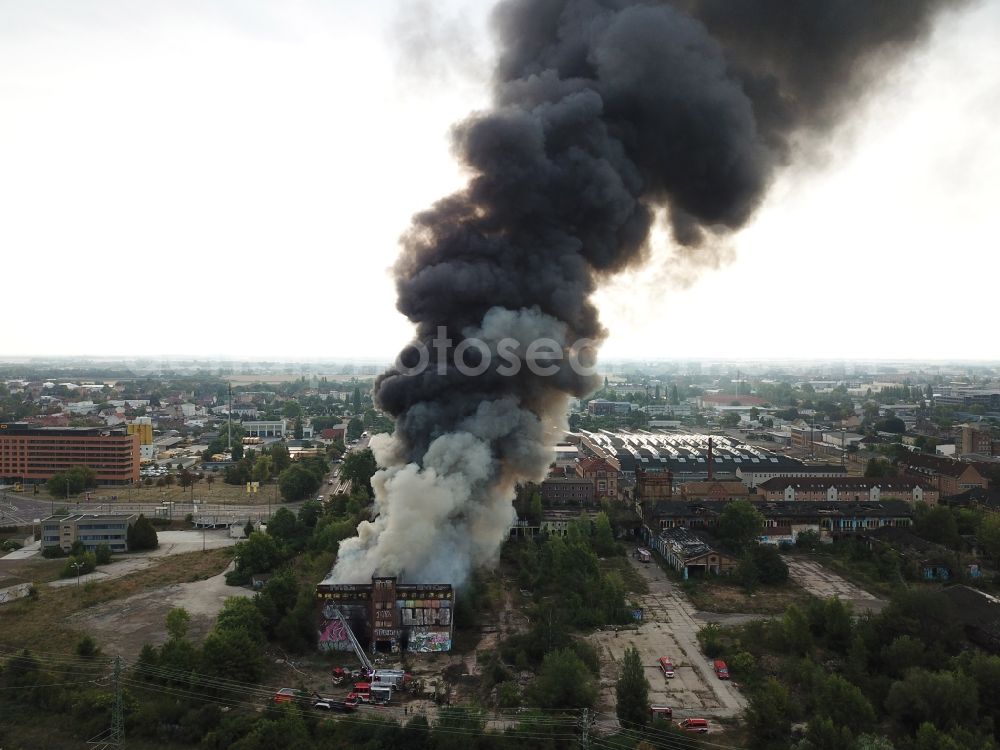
column 584, row 730
column 118, row 714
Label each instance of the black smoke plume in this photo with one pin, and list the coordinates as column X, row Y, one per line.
column 603, row 112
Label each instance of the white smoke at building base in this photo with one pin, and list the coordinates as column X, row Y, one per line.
column 438, row 520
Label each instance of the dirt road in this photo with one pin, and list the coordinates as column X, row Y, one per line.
column 669, row 628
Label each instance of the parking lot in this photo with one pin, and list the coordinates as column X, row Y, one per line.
column 669, row 628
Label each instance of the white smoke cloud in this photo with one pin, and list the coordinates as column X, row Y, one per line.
column 439, row 519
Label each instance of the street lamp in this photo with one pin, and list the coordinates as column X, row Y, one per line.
column 77, row 565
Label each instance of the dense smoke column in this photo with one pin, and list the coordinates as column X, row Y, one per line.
column 604, row 110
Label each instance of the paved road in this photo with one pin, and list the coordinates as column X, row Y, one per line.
column 670, row 626
column 824, row 583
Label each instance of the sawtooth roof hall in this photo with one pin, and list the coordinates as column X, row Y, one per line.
column 687, row 455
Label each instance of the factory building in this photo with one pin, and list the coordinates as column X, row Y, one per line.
column 386, row 615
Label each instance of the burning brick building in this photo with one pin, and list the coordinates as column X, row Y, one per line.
column 386, row 615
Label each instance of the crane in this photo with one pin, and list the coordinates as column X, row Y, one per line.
column 339, row 673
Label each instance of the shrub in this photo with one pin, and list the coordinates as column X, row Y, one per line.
column 79, row 565
column 87, row 647
column 103, row 554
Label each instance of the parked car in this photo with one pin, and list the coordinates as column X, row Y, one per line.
column 666, row 667
column 721, row 670
column 695, row 726
column 337, row 706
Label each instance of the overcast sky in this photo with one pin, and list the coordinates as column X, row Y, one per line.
column 230, row 179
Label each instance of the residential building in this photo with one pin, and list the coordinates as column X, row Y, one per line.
column 602, row 473
column 245, row 411
column 35, row 454
column 946, row 475
column 91, row 529
column 857, row 489
column 754, row 476
column 567, row 490
column 975, row 440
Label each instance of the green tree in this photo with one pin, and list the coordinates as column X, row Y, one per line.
column 946, row 699
column 233, row 654
column 740, row 524
column 769, row 716
column 354, row 429
column 938, row 525
column 186, row 478
column 359, row 467
column 257, row 554
column 772, row 568
column 141, row 535
column 280, row 460
column 729, row 419
column 284, row 527
column 103, row 553
column 604, row 536
column 291, row 410
column 845, row 704
column 535, row 509
column 824, row 734
column 632, row 690
column 240, row 613
column 356, row 402
column 795, row 628
column 297, row 482
column 71, row 482
column 262, row 469
column 178, row 620
column 297, row 431
column 564, row 682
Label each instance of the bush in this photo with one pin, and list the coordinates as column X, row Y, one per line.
column 807, row 540
column 103, row 554
column 79, row 565
column 87, row 647
column 770, row 567
column 51, row 553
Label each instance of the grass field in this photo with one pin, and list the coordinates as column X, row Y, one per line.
column 726, row 596
column 40, row 622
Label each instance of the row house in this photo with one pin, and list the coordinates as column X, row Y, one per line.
column 946, row 475
column 856, row 489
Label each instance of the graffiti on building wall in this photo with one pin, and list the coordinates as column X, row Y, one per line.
column 424, row 612
column 427, row 641
column 332, row 632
